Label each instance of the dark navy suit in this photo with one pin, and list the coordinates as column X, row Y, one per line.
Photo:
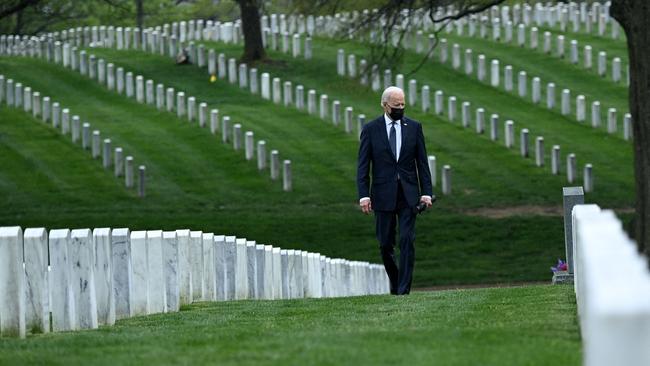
column 394, row 192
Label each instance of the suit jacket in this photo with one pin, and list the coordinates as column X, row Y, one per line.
column 412, row 167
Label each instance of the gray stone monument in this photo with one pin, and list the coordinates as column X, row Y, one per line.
column 572, row 196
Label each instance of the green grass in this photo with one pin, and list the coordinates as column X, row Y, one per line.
column 533, row 325
column 550, row 68
column 450, row 142
column 195, row 181
column 613, row 47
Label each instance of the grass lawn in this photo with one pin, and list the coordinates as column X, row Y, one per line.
column 196, row 182
column 533, row 325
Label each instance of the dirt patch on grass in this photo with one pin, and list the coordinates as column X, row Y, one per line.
column 527, row 210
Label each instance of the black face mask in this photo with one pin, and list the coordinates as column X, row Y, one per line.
column 396, row 114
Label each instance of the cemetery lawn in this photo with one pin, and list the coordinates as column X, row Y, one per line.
column 196, row 182
column 534, row 325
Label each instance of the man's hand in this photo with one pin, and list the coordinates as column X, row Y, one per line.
column 427, row 200
column 366, row 205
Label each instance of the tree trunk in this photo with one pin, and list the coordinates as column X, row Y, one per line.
column 250, row 17
column 18, row 29
column 139, row 15
column 633, row 15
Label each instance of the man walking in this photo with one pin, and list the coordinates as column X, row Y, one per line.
column 394, row 146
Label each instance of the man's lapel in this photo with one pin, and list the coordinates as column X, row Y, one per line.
column 382, row 131
column 405, row 131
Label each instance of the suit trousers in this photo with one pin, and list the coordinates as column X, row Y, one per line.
column 385, row 221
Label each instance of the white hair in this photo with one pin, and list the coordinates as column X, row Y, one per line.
column 388, row 92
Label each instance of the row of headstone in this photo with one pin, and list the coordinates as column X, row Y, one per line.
column 613, row 310
column 229, row 70
column 531, row 39
column 581, row 17
column 504, row 77
column 272, row 88
column 275, row 26
column 14, row 94
column 593, row 18
column 170, row 37
column 450, row 110
column 167, row 99
column 348, row 66
column 163, row 40
column 290, row 43
column 235, row 74
column 503, row 30
column 96, row 277
column 550, row 15
column 233, row 133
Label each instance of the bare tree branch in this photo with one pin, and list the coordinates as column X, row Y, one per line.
column 465, row 11
column 396, row 19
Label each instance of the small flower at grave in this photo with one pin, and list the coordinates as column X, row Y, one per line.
column 561, row 266
column 213, row 78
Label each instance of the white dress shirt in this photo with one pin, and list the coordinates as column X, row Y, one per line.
column 398, row 134
column 398, row 145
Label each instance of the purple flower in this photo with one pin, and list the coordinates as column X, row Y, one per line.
column 561, row 266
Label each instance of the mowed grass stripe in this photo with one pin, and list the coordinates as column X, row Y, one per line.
column 446, row 137
column 40, row 169
column 183, row 161
column 537, row 118
column 452, row 247
column 611, row 155
column 549, row 68
column 498, row 326
column 614, row 47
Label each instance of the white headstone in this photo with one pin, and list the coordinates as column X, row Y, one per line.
column 62, row 304
column 539, row 151
column 103, row 272
column 82, row 278
column 241, row 270
column 12, row 283
column 37, row 312
column 139, row 296
column 122, row 272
